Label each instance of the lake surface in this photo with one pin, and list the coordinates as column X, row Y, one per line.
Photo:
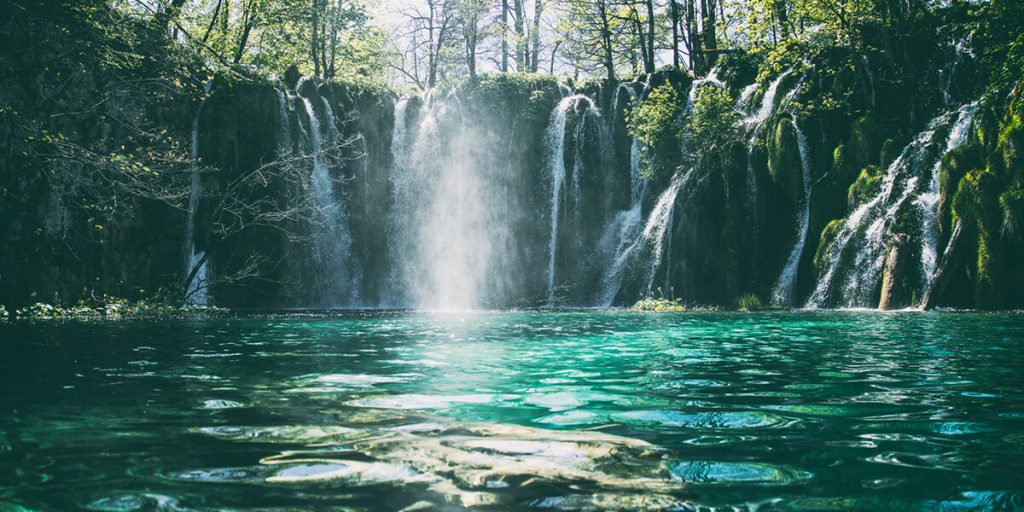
column 516, row 411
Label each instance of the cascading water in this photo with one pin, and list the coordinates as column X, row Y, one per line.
column 396, row 294
column 754, row 124
column 711, row 79
column 660, row 219
column 284, row 104
column 859, row 246
column 621, row 234
column 871, row 78
column 928, row 201
column 746, row 96
column 198, row 286
column 337, row 284
column 555, row 142
column 755, row 121
column 449, row 243
column 785, row 285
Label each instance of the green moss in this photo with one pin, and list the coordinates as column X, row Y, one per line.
column 865, row 187
column 1011, row 144
column 784, row 159
column 1012, row 204
column 969, row 201
column 844, row 166
column 828, row 235
column 984, row 262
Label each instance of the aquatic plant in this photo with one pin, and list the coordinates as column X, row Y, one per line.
column 748, row 302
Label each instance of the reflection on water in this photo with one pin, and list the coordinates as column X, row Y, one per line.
column 562, row 411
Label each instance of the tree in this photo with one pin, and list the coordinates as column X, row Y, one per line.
column 471, row 13
column 430, row 30
column 591, row 25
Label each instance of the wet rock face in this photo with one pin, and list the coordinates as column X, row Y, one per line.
column 896, row 289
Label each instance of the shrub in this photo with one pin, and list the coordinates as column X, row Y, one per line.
column 657, row 124
column 749, row 302
column 660, row 305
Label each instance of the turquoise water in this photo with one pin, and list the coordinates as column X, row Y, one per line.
column 516, row 411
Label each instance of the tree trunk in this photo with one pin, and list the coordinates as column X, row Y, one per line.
column 708, row 21
column 693, row 39
column 675, row 32
column 314, row 43
column 554, row 50
column 651, row 64
column 606, row 40
column 520, row 25
column 538, row 11
column 504, row 36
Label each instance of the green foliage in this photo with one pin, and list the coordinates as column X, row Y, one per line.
column 712, row 128
column 113, row 308
column 657, row 123
column 660, row 305
column 749, row 302
column 828, row 236
column 866, row 185
column 1011, row 142
column 1012, row 204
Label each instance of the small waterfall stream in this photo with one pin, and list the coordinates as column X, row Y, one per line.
column 660, row 220
column 754, row 124
column 198, row 287
column 785, row 285
column 928, row 200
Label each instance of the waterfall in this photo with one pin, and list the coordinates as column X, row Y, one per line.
column 860, row 243
column 785, row 286
column 284, row 104
column 197, row 288
column 396, row 294
column 446, row 235
column 633, row 242
column 337, row 284
column 947, row 76
column 621, row 235
column 555, row 143
column 871, row 77
column 754, row 124
column 755, row 121
column 746, row 96
column 928, row 200
column 659, row 221
column 711, row 79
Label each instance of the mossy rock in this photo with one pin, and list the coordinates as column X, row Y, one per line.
column 974, row 201
column 1012, row 204
column 1011, row 147
column 890, row 152
column 866, row 139
column 828, row 236
column 784, row 160
column 866, row 186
